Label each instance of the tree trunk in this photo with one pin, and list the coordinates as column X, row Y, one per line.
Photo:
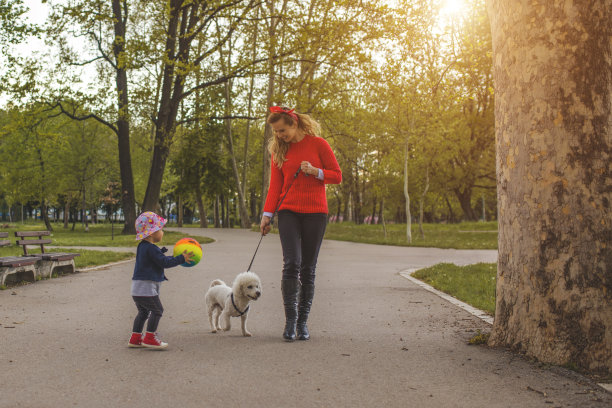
column 201, row 209
column 128, row 197
column 217, row 216
column 179, row 210
column 553, row 108
column 464, row 196
column 66, row 213
column 422, row 200
column 45, row 216
column 407, row 196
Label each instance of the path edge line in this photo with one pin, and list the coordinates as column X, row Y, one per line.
column 482, row 315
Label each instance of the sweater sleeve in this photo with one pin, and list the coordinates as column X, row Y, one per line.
column 164, row 261
column 331, row 169
column 274, row 190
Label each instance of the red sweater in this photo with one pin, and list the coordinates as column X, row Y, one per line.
column 307, row 194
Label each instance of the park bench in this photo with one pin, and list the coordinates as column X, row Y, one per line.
column 14, row 269
column 50, row 262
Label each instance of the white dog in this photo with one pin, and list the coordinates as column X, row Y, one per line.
column 224, row 302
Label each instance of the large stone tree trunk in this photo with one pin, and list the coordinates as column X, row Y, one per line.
column 553, row 87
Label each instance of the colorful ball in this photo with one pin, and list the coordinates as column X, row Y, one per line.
column 189, row 245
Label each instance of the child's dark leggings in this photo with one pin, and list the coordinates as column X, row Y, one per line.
column 149, row 307
column 301, row 236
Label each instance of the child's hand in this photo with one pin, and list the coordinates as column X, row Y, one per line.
column 188, row 256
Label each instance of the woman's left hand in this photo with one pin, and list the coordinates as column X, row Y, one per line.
column 308, row 168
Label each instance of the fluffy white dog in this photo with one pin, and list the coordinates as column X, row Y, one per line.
column 224, row 302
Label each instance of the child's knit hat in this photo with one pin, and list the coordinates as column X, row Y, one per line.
column 147, row 223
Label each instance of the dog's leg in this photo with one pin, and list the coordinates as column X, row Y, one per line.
column 243, row 320
column 225, row 321
column 211, row 320
column 218, row 311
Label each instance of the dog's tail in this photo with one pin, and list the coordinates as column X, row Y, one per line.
column 216, row 282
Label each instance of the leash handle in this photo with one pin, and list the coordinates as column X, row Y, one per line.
column 273, row 214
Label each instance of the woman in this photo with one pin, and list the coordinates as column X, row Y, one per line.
column 302, row 216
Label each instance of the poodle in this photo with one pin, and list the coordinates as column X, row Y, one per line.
column 224, row 302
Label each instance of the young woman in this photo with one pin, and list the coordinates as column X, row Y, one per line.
column 302, row 215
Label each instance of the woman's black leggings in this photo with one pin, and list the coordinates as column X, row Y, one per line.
column 149, row 307
column 301, row 236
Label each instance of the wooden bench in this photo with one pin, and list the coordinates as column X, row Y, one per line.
column 50, row 262
column 15, row 269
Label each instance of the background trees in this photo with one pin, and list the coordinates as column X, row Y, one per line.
column 404, row 98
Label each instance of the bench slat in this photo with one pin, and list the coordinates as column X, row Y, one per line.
column 58, row 256
column 31, row 233
column 19, row 260
column 3, row 234
column 33, row 241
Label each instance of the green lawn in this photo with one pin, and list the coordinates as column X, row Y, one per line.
column 473, row 284
column 465, row 235
column 98, row 235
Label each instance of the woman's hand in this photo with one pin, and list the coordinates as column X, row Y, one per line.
column 309, row 169
column 265, row 226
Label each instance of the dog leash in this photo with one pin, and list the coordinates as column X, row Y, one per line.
column 273, row 214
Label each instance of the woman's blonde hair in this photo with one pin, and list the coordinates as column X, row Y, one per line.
column 277, row 147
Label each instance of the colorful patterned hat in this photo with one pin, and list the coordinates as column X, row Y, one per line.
column 147, row 223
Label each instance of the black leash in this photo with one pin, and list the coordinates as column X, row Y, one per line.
column 273, row 214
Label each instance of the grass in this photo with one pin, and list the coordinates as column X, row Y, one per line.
column 87, row 258
column 98, row 235
column 472, row 284
column 465, row 235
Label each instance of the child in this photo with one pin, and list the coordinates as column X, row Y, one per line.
column 147, row 279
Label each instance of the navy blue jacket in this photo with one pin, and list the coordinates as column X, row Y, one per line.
column 151, row 261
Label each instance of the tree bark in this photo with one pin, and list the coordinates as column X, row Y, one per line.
column 422, row 201
column 128, row 197
column 407, row 195
column 553, row 87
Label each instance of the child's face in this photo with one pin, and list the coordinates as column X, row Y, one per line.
column 286, row 133
column 157, row 236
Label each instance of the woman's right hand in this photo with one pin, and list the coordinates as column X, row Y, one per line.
column 265, row 226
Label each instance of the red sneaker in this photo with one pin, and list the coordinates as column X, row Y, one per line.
column 135, row 340
column 151, row 341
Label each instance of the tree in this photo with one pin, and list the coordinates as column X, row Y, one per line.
column 188, row 22
column 111, row 46
column 554, row 153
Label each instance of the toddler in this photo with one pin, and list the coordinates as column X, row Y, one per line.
column 148, row 277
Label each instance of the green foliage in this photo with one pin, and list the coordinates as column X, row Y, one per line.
column 473, row 284
column 465, row 235
column 379, row 76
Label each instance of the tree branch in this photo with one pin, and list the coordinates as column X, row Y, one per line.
column 72, row 115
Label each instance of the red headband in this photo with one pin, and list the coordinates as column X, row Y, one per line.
column 290, row 112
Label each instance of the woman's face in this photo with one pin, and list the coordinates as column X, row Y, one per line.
column 286, row 133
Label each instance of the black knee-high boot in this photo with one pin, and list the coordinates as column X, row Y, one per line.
column 306, row 295
column 290, row 289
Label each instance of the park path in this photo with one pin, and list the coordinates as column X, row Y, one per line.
column 378, row 340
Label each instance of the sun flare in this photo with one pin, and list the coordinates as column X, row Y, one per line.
column 453, row 8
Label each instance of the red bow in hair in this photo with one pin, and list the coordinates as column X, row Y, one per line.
column 290, row 112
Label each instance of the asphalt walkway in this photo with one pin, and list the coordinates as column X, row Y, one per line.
column 378, row 340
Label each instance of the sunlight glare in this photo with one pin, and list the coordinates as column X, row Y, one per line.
column 453, row 8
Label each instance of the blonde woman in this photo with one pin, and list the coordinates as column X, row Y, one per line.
column 302, row 215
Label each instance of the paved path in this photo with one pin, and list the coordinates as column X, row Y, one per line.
column 378, row 340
